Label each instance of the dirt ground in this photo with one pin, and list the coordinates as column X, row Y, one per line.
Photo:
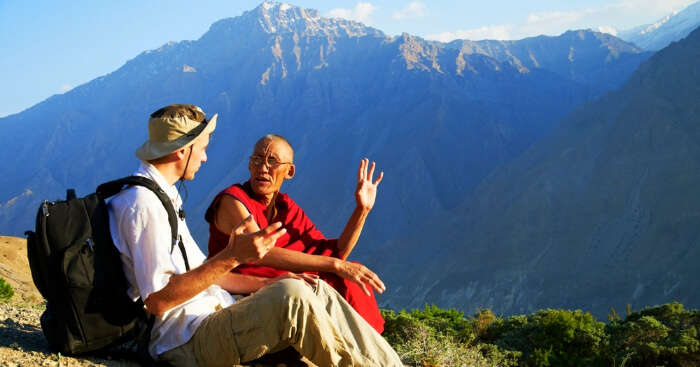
column 21, row 340
column 14, row 268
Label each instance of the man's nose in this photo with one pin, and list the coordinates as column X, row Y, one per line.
column 264, row 167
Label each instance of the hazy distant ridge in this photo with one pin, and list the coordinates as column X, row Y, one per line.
column 671, row 28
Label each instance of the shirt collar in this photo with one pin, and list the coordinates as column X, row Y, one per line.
column 148, row 170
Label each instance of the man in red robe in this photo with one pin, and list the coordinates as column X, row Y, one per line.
column 303, row 249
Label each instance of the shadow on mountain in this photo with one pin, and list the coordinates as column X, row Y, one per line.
column 601, row 212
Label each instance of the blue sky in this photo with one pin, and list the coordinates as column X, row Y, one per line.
column 49, row 47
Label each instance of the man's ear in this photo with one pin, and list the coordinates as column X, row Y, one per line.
column 290, row 171
column 180, row 153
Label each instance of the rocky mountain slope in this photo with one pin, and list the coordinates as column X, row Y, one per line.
column 338, row 89
column 575, row 55
column 602, row 212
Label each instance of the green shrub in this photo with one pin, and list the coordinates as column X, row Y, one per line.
column 664, row 335
column 433, row 337
column 482, row 322
column 660, row 335
column 426, row 347
column 551, row 338
column 6, row 291
column 449, row 322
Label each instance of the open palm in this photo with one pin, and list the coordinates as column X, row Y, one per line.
column 366, row 191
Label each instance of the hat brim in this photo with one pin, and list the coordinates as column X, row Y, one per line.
column 154, row 150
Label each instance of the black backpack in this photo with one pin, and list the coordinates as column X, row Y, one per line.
column 78, row 270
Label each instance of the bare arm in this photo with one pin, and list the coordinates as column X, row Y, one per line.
column 231, row 211
column 298, row 261
column 244, row 284
column 365, row 195
column 242, row 247
column 351, row 233
column 241, row 283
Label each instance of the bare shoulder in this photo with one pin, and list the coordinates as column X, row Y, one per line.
column 230, row 213
column 232, row 206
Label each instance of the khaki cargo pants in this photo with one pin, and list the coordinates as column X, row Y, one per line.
column 316, row 322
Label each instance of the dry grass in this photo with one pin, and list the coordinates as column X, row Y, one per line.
column 14, row 268
column 425, row 348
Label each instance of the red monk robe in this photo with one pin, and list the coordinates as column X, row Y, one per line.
column 302, row 236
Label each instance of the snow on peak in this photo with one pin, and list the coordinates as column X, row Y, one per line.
column 276, row 17
column 658, row 24
column 608, row 30
column 670, row 28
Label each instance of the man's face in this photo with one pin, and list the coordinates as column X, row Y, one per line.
column 269, row 165
column 198, row 155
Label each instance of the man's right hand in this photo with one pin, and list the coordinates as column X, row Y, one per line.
column 359, row 274
column 243, row 246
column 246, row 246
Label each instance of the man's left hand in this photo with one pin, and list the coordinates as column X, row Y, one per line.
column 361, row 275
column 366, row 191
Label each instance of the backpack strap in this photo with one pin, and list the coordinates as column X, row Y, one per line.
column 111, row 188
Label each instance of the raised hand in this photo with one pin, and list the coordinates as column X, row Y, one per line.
column 366, row 191
column 361, row 275
column 247, row 246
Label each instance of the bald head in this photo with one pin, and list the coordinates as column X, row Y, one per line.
column 285, row 149
column 271, row 163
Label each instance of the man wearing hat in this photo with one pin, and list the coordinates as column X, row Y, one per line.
column 197, row 322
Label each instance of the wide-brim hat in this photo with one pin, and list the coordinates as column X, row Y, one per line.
column 174, row 127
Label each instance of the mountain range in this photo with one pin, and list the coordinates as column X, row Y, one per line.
column 600, row 213
column 671, row 28
column 442, row 120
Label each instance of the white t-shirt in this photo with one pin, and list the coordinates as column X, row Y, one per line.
column 140, row 230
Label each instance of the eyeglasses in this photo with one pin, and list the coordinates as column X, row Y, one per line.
column 270, row 161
